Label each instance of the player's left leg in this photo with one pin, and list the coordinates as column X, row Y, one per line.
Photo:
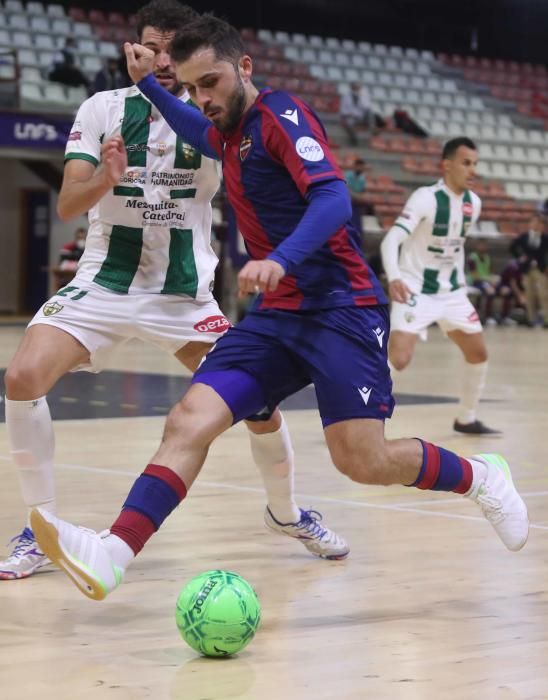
column 355, row 396
column 359, row 450
column 472, row 346
column 461, row 323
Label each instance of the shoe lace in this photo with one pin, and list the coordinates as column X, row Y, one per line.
column 310, row 523
column 24, row 541
column 492, row 507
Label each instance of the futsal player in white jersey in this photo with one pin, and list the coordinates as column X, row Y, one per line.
column 147, row 272
column 423, row 257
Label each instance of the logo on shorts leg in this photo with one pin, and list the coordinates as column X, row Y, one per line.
column 379, row 334
column 409, row 317
column 365, row 393
column 212, row 324
column 473, row 317
column 51, row 308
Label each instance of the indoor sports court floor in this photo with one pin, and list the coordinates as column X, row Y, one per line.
column 428, row 606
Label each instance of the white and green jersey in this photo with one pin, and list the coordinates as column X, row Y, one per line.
column 436, row 220
column 151, row 233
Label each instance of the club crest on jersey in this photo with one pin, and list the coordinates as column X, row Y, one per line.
column 245, row 147
column 52, row 308
column 467, row 209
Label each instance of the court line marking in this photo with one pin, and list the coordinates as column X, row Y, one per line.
column 398, row 507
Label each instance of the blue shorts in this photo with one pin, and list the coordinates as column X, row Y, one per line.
column 342, row 351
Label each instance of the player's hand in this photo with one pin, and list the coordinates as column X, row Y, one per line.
column 399, row 291
column 140, row 61
column 113, row 159
column 259, row 276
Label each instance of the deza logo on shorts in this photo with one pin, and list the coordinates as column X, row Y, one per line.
column 309, row 149
column 213, row 324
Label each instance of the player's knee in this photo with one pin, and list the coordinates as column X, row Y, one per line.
column 365, row 467
column 188, row 423
column 23, row 382
column 399, row 359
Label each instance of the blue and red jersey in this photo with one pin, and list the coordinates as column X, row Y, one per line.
column 271, row 162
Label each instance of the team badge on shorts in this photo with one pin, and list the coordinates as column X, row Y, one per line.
column 409, row 317
column 245, row 147
column 51, row 308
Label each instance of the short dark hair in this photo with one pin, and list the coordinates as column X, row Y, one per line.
column 166, row 15
column 452, row 146
column 208, row 31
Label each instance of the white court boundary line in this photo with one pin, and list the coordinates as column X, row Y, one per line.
column 398, row 507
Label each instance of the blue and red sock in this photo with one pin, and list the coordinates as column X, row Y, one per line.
column 443, row 470
column 156, row 493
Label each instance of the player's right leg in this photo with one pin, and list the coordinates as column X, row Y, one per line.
column 95, row 563
column 44, row 355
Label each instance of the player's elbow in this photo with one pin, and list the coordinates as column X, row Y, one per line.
column 64, row 211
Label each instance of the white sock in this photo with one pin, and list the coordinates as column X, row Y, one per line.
column 273, row 454
column 32, row 443
column 479, row 473
column 120, row 551
column 473, row 383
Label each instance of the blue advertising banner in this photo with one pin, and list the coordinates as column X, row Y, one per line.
column 33, row 130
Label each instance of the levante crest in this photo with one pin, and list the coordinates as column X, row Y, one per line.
column 245, row 147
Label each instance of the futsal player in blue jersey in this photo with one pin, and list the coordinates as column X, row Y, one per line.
column 321, row 316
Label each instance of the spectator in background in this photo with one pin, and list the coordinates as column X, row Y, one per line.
column 109, row 77
column 122, row 68
column 72, row 251
column 357, row 184
column 531, row 250
column 64, row 69
column 511, row 292
column 403, row 121
column 479, row 266
column 356, row 110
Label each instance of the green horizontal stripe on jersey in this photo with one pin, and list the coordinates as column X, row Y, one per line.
column 403, row 227
column 81, row 156
column 123, row 257
column 189, row 193
column 181, row 276
column 128, row 192
column 433, row 249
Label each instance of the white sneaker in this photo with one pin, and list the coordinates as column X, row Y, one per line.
column 500, row 502
column 25, row 559
column 317, row 539
column 79, row 552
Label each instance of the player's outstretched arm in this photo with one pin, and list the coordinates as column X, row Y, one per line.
column 84, row 185
column 187, row 122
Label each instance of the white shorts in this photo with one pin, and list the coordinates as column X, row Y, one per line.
column 103, row 320
column 452, row 311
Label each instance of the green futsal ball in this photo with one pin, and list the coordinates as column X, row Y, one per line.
column 218, row 613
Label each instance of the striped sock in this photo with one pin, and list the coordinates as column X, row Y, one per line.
column 153, row 496
column 443, row 470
